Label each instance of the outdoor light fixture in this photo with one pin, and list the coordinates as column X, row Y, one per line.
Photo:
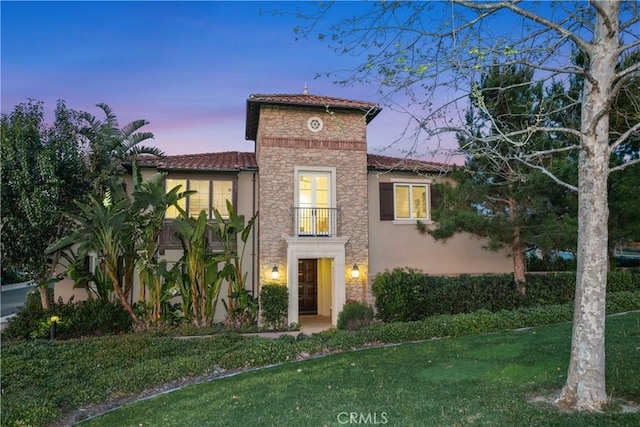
column 355, row 272
column 52, row 330
column 274, row 272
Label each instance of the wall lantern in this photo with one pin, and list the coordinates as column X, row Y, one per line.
column 275, row 274
column 355, row 272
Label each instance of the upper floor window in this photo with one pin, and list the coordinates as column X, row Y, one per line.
column 209, row 194
column 315, row 212
column 410, row 201
column 313, row 189
column 406, row 201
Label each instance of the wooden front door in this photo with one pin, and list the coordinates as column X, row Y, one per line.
column 308, row 286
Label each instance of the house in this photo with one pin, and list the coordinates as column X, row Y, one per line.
column 331, row 216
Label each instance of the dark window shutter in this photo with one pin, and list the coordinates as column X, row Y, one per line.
column 386, row 201
column 436, row 198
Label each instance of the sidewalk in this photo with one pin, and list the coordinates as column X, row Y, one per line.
column 12, row 287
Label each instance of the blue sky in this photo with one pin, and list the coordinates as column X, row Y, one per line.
column 186, row 67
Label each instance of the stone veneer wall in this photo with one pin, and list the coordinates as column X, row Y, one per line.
column 285, row 142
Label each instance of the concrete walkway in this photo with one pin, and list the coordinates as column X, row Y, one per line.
column 309, row 324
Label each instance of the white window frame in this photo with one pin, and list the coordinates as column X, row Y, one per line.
column 311, row 170
column 210, row 215
column 413, row 183
column 331, row 172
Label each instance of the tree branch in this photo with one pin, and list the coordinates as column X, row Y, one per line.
column 551, row 151
column 628, row 46
column 605, row 18
column 622, row 138
column 627, row 73
column 548, row 173
column 624, row 165
column 579, row 41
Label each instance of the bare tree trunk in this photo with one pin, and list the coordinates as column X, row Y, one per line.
column 517, row 251
column 585, row 386
column 44, row 296
column 113, row 275
column 519, row 270
column 44, row 290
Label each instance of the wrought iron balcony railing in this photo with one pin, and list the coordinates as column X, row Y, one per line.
column 315, row 221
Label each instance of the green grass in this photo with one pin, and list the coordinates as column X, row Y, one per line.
column 44, row 382
column 474, row 380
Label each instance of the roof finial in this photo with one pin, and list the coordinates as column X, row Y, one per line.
column 306, row 89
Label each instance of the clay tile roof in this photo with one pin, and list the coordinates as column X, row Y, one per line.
column 223, row 161
column 237, row 161
column 385, row 163
column 312, row 101
column 303, row 100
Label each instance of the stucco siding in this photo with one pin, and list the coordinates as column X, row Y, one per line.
column 395, row 244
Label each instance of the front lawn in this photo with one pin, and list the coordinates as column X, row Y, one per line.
column 485, row 377
column 475, row 380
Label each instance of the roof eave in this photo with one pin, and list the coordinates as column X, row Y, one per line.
column 253, row 111
column 185, row 169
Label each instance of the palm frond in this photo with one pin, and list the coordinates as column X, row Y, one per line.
column 135, row 139
column 136, row 150
column 111, row 120
column 130, row 128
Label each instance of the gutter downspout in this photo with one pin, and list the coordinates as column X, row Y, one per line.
column 253, row 238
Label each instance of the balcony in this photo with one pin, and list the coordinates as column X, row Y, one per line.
column 169, row 239
column 315, row 222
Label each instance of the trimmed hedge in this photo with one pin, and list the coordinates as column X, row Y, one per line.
column 274, row 303
column 481, row 321
column 408, row 295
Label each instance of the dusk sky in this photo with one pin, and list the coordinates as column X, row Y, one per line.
column 186, row 67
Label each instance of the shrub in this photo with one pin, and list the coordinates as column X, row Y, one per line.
column 274, row 303
column 409, row 295
column 27, row 319
column 91, row 317
column 170, row 314
column 354, row 315
column 623, row 280
column 619, row 302
column 97, row 317
column 242, row 316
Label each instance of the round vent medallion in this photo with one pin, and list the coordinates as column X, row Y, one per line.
column 315, row 124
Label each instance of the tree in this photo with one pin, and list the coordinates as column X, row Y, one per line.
column 201, row 282
column 122, row 230
column 148, row 208
column 103, row 228
column 42, row 173
column 624, row 218
column 624, row 211
column 432, row 63
column 242, row 308
column 112, row 147
column 494, row 199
